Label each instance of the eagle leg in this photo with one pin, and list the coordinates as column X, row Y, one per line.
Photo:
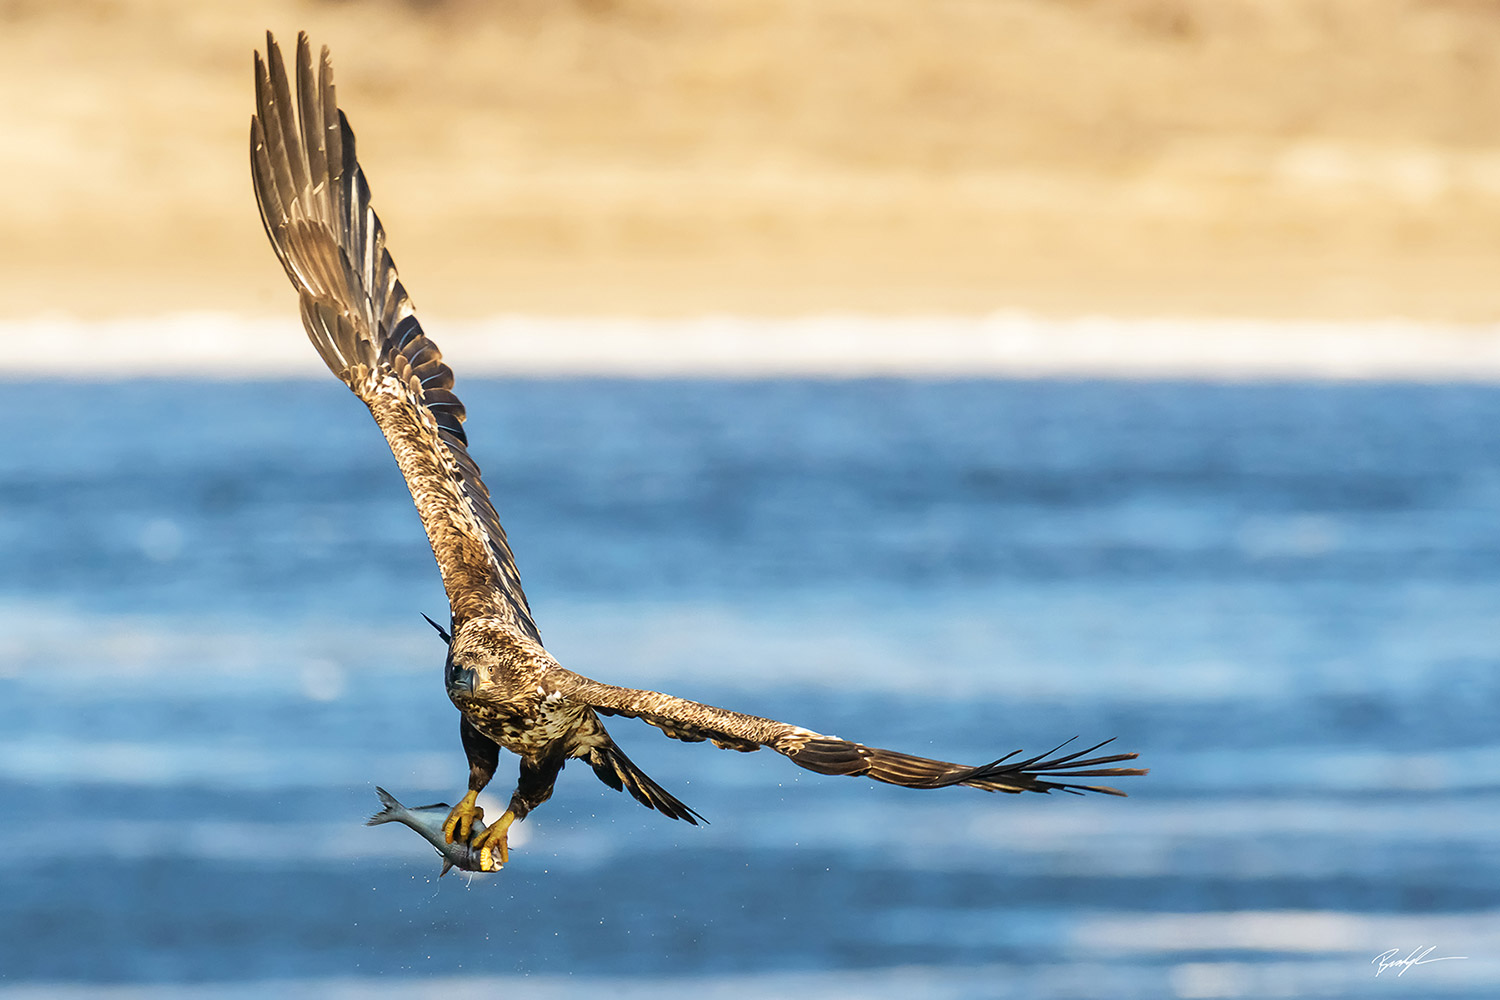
column 538, row 776
column 494, row 838
column 484, row 755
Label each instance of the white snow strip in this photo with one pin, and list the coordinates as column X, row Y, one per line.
column 843, row 346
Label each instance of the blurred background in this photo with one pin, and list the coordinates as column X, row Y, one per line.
column 954, row 377
column 1302, row 158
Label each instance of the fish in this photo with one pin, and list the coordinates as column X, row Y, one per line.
column 428, row 821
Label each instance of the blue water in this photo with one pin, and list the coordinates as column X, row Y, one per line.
column 1285, row 597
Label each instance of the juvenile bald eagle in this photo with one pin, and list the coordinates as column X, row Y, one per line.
column 509, row 691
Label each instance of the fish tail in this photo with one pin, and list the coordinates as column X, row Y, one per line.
column 392, row 811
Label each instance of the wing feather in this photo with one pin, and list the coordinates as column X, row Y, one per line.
column 693, row 722
column 315, row 205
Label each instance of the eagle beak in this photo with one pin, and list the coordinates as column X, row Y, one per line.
column 461, row 681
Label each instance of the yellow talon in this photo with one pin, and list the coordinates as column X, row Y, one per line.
column 494, row 839
column 462, row 818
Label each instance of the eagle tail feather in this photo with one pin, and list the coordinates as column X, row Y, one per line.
column 621, row 773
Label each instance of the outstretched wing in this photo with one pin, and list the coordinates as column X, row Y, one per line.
column 316, row 209
column 694, row 722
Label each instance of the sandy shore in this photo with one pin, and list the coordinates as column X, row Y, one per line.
column 1306, row 159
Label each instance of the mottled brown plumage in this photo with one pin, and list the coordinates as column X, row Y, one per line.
column 509, row 691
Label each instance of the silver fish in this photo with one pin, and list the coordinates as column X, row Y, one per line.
column 428, row 821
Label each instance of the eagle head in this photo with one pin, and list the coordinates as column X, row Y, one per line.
column 489, row 655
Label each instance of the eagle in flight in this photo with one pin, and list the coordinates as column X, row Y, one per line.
column 509, row 691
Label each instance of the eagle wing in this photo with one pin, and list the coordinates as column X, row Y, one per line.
column 695, row 722
column 316, row 208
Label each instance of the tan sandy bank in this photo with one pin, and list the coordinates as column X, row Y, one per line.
column 1328, row 159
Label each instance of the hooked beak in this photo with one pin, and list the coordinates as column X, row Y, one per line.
column 461, row 680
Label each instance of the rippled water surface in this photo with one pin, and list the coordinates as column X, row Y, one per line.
column 1286, row 597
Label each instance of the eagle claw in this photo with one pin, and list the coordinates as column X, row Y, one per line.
column 461, row 818
column 494, row 839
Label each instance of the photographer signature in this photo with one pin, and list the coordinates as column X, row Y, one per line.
column 1388, row 960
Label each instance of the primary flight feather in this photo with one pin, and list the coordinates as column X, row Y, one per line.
column 509, row 691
